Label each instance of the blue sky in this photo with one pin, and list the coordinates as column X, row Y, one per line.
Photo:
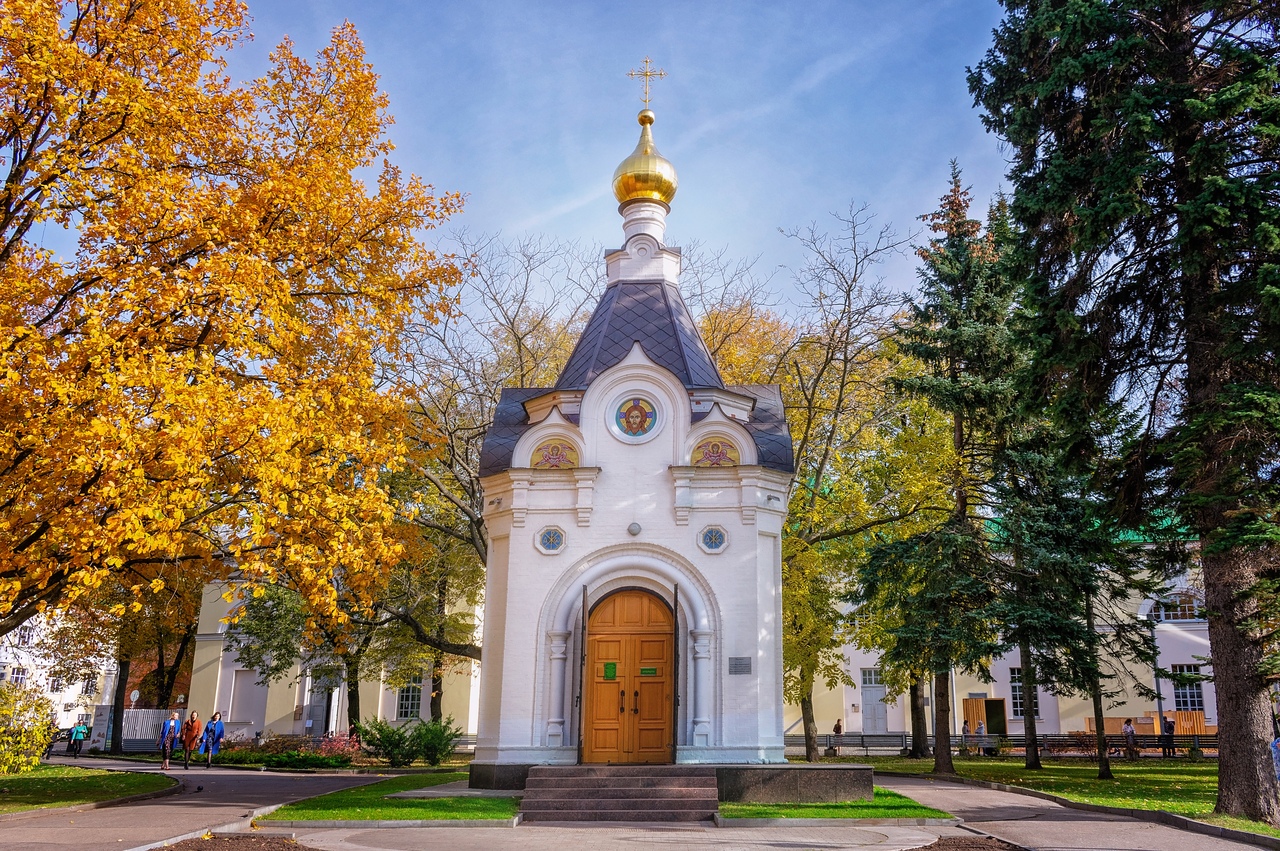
column 775, row 114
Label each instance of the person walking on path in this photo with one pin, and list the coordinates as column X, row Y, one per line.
column 1166, row 739
column 212, row 741
column 1130, row 739
column 169, row 736
column 78, row 734
column 190, row 737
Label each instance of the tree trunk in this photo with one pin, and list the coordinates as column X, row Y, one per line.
column 1246, row 778
column 352, row 666
column 810, row 726
column 1095, row 691
column 167, row 678
column 117, row 705
column 942, row 724
column 437, row 692
column 919, row 720
column 1029, row 704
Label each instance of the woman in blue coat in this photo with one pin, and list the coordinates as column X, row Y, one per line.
column 212, row 739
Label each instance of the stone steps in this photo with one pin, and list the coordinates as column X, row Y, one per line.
column 620, row 793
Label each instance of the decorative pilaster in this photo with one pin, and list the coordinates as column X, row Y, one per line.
column 558, row 644
column 585, row 478
column 701, row 642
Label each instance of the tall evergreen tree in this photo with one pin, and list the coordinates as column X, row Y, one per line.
column 943, row 577
column 1147, row 181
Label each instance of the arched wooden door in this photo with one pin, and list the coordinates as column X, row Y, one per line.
column 629, row 680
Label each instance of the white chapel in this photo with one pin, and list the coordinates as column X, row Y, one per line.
column 633, row 603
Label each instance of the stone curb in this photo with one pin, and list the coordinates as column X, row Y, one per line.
column 355, row 823
column 1163, row 817
column 720, row 821
column 177, row 787
column 238, row 826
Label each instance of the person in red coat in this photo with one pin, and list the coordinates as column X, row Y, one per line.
column 191, row 729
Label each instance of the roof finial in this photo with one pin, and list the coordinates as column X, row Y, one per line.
column 646, row 71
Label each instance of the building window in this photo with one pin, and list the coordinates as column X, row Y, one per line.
column 1181, row 607
column 409, row 700
column 84, row 718
column 1188, row 697
column 55, row 685
column 19, row 676
column 713, row 539
column 1015, row 695
column 26, row 635
column 871, row 677
column 90, row 685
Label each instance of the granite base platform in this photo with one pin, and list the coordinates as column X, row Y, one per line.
column 790, row 783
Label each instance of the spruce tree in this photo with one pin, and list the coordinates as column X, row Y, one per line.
column 1147, row 181
column 942, row 579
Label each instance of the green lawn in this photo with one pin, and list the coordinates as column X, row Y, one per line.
column 367, row 803
column 886, row 804
column 1174, row 785
column 59, row 785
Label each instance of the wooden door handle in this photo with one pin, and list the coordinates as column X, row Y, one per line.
column 636, row 708
column 622, row 700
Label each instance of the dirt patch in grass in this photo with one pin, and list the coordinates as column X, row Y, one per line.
column 970, row 843
column 247, row 842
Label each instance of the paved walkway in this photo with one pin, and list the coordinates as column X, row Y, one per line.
column 619, row 837
column 227, row 796
column 1044, row 826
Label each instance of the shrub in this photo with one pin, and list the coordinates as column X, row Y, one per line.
column 387, row 741
column 25, row 727
column 348, row 746
column 435, row 740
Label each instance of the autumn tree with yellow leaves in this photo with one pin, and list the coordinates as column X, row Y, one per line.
column 870, row 461
column 194, row 383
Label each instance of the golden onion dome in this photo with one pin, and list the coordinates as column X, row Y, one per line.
column 646, row 174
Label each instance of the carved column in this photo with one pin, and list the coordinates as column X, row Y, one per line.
column 559, row 643
column 701, row 686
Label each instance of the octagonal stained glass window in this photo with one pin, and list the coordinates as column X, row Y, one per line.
column 713, row 539
column 551, row 539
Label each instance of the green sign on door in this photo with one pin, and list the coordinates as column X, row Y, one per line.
column 610, row 670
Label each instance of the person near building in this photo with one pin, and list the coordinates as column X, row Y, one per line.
column 1166, row 739
column 838, row 729
column 1130, row 739
column 212, row 740
column 191, row 729
column 170, row 733
column 78, row 734
column 981, row 740
column 965, row 733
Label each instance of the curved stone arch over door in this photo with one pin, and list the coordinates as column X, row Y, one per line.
column 603, row 573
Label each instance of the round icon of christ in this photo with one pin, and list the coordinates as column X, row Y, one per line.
column 635, row 417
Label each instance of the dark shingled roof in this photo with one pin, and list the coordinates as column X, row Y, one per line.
column 655, row 316
column 768, row 426
column 509, row 423
column 649, row 313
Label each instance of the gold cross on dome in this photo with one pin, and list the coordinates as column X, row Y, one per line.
column 646, row 71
